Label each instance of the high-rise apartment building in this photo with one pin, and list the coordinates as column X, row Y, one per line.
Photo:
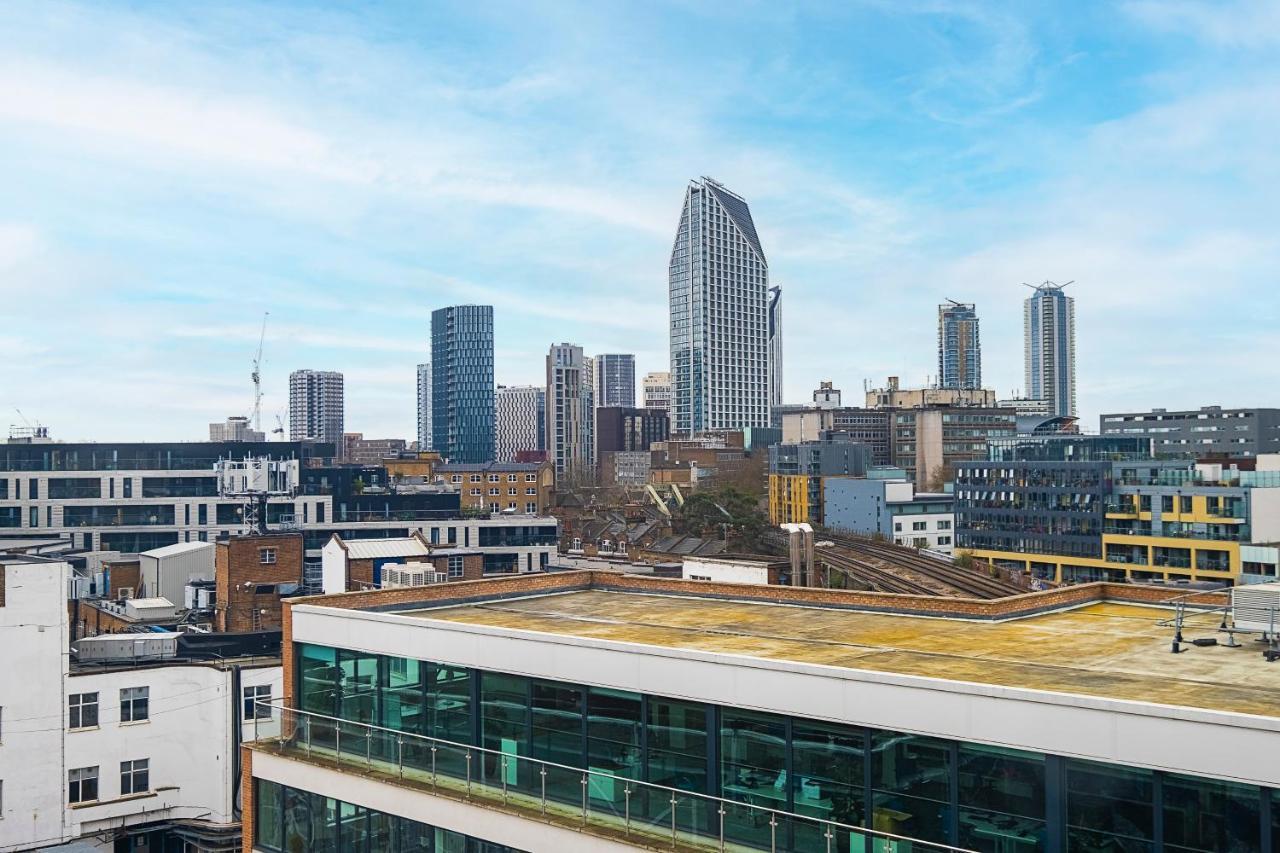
column 316, row 405
column 1049, row 330
column 570, row 411
column 521, row 420
column 425, row 438
column 462, row 416
column 775, row 346
column 657, row 390
column 959, row 347
column 615, row 380
column 719, row 290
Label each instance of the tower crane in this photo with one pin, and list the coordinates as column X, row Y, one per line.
column 279, row 430
column 257, row 376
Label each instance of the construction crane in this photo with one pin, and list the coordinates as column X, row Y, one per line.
column 279, row 430
column 257, row 376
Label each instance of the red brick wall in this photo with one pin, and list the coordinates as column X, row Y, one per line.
column 238, row 568
column 246, row 799
column 126, row 573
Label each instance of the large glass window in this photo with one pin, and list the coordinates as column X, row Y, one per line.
column 504, row 710
column 1205, row 815
column 318, row 674
column 557, row 723
column 358, row 700
column 267, row 823
column 404, row 699
column 1001, row 798
column 1109, row 807
column 677, row 758
column 753, row 770
column 310, row 822
column 70, row 488
column 828, row 767
column 911, row 781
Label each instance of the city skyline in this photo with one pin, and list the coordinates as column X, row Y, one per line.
column 175, row 177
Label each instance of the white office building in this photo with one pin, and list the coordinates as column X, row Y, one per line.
column 520, row 413
column 144, row 753
column 719, row 289
column 657, row 390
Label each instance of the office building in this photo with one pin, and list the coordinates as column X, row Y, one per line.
column 136, row 497
column 425, row 435
column 358, row 450
column 462, row 414
column 871, row 427
column 657, row 390
column 520, row 413
column 1083, row 508
column 959, row 346
column 316, row 406
column 615, row 380
column 889, row 508
column 928, row 443
column 1049, row 335
column 775, row 347
column 719, row 288
column 235, row 428
column 570, row 412
column 629, row 429
column 894, row 396
column 797, row 472
column 1207, row 432
column 129, row 741
column 813, row 726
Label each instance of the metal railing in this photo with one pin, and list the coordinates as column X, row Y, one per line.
column 616, row 805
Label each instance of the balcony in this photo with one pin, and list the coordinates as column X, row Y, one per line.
column 588, row 800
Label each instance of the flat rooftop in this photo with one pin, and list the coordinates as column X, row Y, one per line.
column 1107, row 649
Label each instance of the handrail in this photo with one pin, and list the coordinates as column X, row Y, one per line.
column 673, row 795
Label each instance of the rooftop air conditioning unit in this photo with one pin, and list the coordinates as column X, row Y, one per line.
column 402, row 577
column 1256, row 607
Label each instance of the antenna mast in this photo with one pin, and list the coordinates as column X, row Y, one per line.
column 257, row 376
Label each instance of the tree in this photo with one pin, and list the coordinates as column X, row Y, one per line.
column 939, row 477
column 726, row 511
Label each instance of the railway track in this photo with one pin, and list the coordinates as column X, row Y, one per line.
column 958, row 579
column 883, row 567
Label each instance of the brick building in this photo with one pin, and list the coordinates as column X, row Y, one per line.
column 514, row 487
column 252, row 573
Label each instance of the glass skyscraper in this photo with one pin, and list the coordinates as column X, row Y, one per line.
column 775, row 346
column 615, row 380
column 959, row 347
column 719, row 288
column 462, row 413
column 1049, row 331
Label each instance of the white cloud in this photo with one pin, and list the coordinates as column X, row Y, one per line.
column 1226, row 23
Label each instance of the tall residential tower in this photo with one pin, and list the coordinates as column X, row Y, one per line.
column 719, row 289
column 425, row 439
column 316, row 405
column 615, row 380
column 462, row 382
column 1049, row 333
column 570, row 411
column 775, row 346
column 959, row 347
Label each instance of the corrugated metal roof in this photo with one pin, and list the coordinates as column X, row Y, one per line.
column 179, row 548
column 373, row 549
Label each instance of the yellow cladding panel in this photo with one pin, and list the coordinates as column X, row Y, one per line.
column 788, row 498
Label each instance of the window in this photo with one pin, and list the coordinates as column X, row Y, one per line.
column 531, row 490
column 455, row 566
column 456, row 478
column 919, row 525
column 897, row 527
column 512, row 492
column 128, row 487
column 476, row 492
column 493, row 478
column 475, row 478
column 267, row 556
column 944, row 525
column 82, row 784
column 135, row 776
column 253, row 694
column 133, row 704
column 495, row 491
column 944, row 540
column 531, row 507
column 511, row 478
column 82, row 710
column 531, row 478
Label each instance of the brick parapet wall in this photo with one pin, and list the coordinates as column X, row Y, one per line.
column 246, row 799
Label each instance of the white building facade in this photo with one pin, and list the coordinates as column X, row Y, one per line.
column 570, row 411
column 719, row 307
column 657, row 390
column 424, row 407
column 520, row 413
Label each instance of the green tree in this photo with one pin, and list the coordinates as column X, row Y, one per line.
column 727, row 510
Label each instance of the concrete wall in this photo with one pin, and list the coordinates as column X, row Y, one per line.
column 724, row 572
column 856, row 506
column 1264, row 515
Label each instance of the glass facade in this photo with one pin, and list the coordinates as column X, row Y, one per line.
column 462, row 390
column 933, row 789
column 289, row 820
column 176, row 456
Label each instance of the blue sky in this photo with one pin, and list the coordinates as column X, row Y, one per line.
column 169, row 171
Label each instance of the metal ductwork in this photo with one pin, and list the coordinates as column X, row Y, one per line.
column 800, row 549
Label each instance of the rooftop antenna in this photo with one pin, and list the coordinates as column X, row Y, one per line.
column 257, row 376
column 1048, row 285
